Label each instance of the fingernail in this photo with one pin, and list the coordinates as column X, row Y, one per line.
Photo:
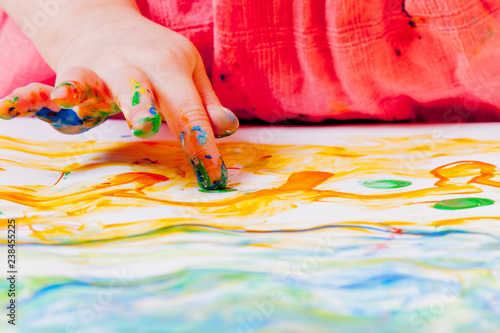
column 146, row 127
column 227, row 120
column 213, row 179
column 67, row 94
column 219, row 182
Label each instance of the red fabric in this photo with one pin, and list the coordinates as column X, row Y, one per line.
column 430, row 60
column 20, row 62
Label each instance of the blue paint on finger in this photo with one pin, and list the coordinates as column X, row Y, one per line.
column 63, row 118
column 66, row 121
column 201, row 136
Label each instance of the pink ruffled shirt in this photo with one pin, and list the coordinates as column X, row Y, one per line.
column 434, row 60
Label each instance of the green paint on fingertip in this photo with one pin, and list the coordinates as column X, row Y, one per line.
column 204, row 179
column 139, row 133
column 155, row 121
column 136, row 98
column 463, row 203
column 385, row 184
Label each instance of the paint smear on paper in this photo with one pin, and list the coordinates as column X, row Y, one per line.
column 310, row 234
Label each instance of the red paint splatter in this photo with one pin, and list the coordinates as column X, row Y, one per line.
column 44, row 96
column 396, row 230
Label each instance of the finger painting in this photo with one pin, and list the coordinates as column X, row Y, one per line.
column 320, row 229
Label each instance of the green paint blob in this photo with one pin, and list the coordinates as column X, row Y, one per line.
column 15, row 99
column 385, row 184
column 155, row 127
column 116, row 108
column 219, row 191
column 135, row 99
column 463, row 203
column 139, row 133
column 156, row 120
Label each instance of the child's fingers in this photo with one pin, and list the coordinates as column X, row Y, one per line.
column 34, row 99
column 80, row 87
column 183, row 110
column 223, row 121
column 136, row 100
column 83, row 89
column 26, row 101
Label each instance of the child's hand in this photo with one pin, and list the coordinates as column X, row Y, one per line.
column 151, row 72
column 84, row 109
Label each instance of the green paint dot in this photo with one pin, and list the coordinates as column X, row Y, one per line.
column 385, row 184
column 463, row 203
column 219, row 191
column 136, row 98
column 15, row 99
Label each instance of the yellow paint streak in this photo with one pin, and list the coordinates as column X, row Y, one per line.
column 300, row 175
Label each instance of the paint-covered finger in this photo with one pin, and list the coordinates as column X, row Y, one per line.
column 79, row 87
column 136, row 100
column 183, row 110
column 83, row 90
column 34, row 100
column 222, row 120
column 26, row 101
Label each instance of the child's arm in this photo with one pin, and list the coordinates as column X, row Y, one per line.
column 96, row 44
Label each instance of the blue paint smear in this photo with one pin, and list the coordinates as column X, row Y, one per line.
column 61, row 119
column 208, row 156
column 201, row 136
column 50, row 288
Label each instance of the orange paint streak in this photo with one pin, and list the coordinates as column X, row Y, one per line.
column 296, row 181
column 481, row 172
column 62, row 175
column 34, row 97
column 143, row 180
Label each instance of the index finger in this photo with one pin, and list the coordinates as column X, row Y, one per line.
column 182, row 108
